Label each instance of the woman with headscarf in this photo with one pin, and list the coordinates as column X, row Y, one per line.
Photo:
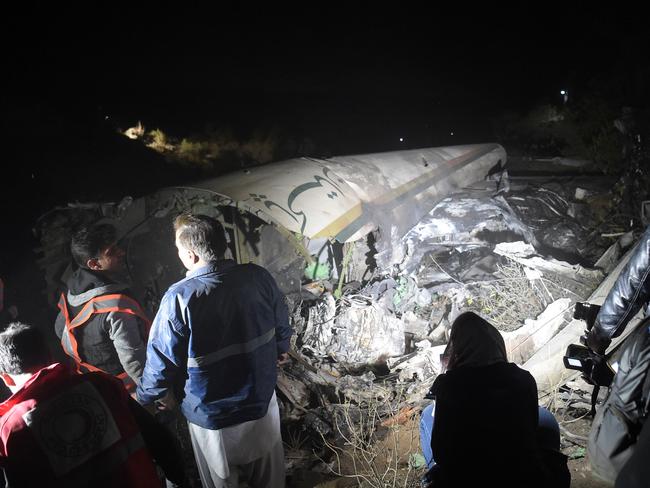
column 484, row 423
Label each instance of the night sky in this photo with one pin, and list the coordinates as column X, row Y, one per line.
column 374, row 73
column 353, row 80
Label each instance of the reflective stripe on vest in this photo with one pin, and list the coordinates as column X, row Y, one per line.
column 98, row 305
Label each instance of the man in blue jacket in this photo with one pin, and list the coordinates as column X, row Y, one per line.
column 216, row 341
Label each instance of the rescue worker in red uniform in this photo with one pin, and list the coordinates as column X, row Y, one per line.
column 63, row 429
column 102, row 327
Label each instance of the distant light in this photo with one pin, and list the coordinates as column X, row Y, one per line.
column 565, row 96
column 401, row 139
column 451, row 133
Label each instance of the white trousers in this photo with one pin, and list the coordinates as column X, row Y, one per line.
column 251, row 452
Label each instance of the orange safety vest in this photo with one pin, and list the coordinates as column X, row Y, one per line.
column 101, row 304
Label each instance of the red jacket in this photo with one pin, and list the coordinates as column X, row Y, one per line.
column 67, row 429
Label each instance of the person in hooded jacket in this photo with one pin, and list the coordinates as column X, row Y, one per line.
column 63, row 429
column 484, row 422
column 101, row 326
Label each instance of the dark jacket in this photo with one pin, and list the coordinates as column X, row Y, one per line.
column 630, row 292
column 217, row 336
column 114, row 342
column 636, row 471
column 617, row 424
column 485, row 428
column 619, row 421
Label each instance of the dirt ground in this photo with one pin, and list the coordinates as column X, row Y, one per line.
column 391, row 462
column 402, row 444
column 581, row 473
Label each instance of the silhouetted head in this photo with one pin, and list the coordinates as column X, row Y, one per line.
column 95, row 247
column 474, row 342
column 22, row 350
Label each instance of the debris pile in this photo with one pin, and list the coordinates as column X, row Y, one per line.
column 371, row 322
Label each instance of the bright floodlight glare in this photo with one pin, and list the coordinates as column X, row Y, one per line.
column 401, row 139
column 562, row 92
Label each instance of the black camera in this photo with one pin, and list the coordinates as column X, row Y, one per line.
column 577, row 357
column 587, row 312
column 594, row 368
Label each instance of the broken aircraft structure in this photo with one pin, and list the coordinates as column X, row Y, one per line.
column 346, row 238
column 303, row 219
column 376, row 255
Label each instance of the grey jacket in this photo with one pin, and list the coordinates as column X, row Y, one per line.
column 114, row 341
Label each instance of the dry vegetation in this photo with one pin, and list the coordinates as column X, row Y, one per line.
column 375, row 446
column 207, row 150
column 513, row 296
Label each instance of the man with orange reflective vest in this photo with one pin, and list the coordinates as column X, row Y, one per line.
column 63, row 429
column 101, row 327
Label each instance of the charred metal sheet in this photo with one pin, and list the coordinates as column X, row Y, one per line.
column 464, row 221
column 271, row 212
column 360, row 333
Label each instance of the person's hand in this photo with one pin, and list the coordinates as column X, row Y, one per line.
column 168, row 402
column 594, row 342
column 601, row 374
column 283, row 358
column 151, row 408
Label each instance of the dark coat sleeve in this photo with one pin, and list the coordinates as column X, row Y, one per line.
column 630, row 292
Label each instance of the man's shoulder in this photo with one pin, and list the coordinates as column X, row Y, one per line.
column 175, row 289
column 181, row 289
column 244, row 271
column 258, row 269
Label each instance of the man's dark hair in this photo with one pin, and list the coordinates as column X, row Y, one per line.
column 22, row 349
column 88, row 242
column 202, row 234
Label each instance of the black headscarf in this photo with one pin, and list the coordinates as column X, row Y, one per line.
column 474, row 342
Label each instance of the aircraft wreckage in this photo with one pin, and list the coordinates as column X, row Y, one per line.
column 345, row 237
column 300, row 218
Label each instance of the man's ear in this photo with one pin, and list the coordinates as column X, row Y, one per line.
column 93, row 263
column 191, row 255
column 8, row 380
